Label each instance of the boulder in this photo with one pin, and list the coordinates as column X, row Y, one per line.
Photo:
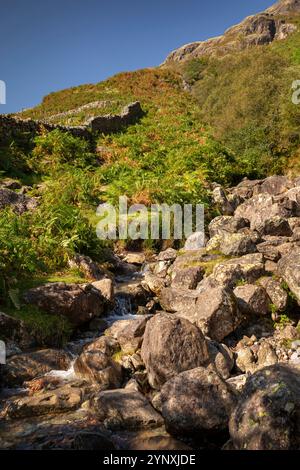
column 288, row 268
column 27, row 366
column 262, row 207
column 79, row 303
column 245, row 359
column 248, row 268
column 275, row 226
column 129, row 334
column 197, row 402
column 126, row 409
column 135, row 258
column 227, row 223
column 215, row 313
column 220, row 199
column 106, row 289
column 170, row 254
column 267, row 415
column 153, row 284
column 171, row 345
column 188, row 278
column 195, row 241
column 273, row 185
column 252, row 299
column 222, row 358
column 278, row 295
column 90, row 268
column 232, row 244
column 96, row 366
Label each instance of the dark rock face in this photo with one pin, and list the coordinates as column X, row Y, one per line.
column 267, row 416
column 171, row 345
column 79, row 303
column 197, row 401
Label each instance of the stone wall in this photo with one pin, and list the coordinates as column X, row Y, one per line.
column 11, row 127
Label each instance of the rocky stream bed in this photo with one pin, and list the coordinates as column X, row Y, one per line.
column 196, row 348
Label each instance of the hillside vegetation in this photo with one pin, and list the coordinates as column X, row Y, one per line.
column 237, row 121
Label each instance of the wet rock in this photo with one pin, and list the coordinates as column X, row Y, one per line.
column 27, row 366
column 157, row 440
column 126, row 409
column 196, row 402
column 106, row 344
column 171, row 345
column 61, row 400
column 79, row 303
column 252, row 299
column 268, row 411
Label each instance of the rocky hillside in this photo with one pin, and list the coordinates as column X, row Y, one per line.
column 274, row 24
column 211, row 358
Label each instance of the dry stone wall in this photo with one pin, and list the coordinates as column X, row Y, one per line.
column 11, row 127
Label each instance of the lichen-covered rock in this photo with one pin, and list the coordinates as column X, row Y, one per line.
column 226, row 223
column 274, row 289
column 267, row 415
column 232, row 244
column 171, row 345
column 275, row 226
column 19, row 202
column 188, row 278
column 129, row 333
column 197, row 402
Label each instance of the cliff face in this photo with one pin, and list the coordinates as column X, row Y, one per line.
column 259, row 29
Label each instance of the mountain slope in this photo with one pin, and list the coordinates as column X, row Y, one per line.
column 274, row 24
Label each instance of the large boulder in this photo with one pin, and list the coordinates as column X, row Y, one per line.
column 126, row 409
column 171, row 345
column 248, row 268
column 129, row 334
column 233, row 244
column 288, row 268
column 267, row 416
column 79, row 303
column 196, row 402
column 252, row 299
column 213, row 310
column 275, row 226
column 226, row 223
column 188, row 278
column 27, row 366
column 262, row 207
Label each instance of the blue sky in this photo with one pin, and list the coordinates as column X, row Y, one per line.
column 50, row 45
